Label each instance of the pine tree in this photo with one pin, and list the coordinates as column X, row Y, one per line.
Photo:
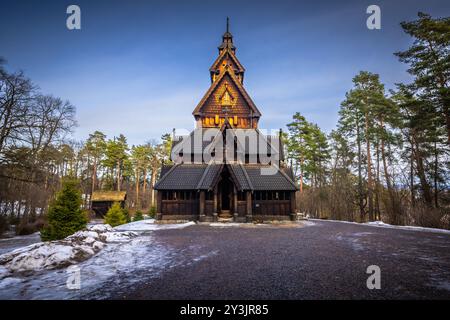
column 429, row 61
column 115, row 215
column 65, row 215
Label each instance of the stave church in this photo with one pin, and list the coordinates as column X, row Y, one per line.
column 227, row 168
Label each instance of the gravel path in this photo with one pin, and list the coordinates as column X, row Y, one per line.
column 323, row 260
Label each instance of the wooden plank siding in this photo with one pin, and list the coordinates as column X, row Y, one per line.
column 272, row 207
column 180, row 207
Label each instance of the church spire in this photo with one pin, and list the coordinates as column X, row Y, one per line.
column 227, row 39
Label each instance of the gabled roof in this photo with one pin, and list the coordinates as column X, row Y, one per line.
column 239, row 87
column 181, row 143
column 181, row 177
column 205, row 177
column 239, row 175
column 216, row 63
column 210, row 177
column 278, row 181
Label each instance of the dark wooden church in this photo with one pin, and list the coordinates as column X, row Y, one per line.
column 226, row 169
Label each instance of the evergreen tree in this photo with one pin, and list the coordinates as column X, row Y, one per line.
column 138, row 216
column 115, row 215
column 65, row 215
column 126, row 213
column 96, row 147
column 117, row 158
column 429, row 61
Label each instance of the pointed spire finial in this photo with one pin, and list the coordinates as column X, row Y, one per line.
column 228, row 24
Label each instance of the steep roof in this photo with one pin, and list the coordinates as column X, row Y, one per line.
column 205, row 177
column 228, row 52
column 240, row 88
column 261, row 181
column 182, row 142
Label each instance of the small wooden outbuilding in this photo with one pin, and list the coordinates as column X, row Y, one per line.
column 103, row 200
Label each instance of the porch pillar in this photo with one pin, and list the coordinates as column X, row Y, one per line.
column 249, row 206
column 215, row 205
column 159, row 205
column 235, row 204
column 293, row 206
column 202, row 205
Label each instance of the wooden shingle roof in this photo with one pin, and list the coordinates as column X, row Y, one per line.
column 240, row 88
column 204, row 177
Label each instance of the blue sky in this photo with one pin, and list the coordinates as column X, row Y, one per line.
column 140, row 67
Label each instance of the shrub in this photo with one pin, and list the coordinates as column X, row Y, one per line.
column 152, row 212
column 138, row 216
column 126, row 213
column 4, row 225
column 27, row 227
column 65, row 216
column 115, row 215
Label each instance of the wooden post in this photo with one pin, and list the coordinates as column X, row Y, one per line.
column 235, row 203
column 215, row 201
column 202, row 203
column 215, row 205
column 249, row 206
column 159, row 205
column 293, row 206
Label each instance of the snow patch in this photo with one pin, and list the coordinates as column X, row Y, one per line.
column 150, row 225
column 224, row 225
column 381, row 224
column 61, row 253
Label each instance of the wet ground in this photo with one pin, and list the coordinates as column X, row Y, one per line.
column 14, row 242
column 327, row 260
column 318, row 260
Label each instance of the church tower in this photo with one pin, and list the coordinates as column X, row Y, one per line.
column 226, row 98
column 206, row 182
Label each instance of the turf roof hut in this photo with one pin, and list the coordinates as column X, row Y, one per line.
column 103, row 200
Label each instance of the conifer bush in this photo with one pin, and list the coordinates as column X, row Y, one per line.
column 152, row 212
column 138, row 216
column 115, row 215
column 126, row 212
column 65, row 215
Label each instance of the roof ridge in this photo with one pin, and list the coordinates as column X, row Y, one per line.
column 246, row 176
column 203, row 175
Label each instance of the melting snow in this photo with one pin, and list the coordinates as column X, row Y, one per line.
column 150, row 225
column 105, row 256
column 381, row 224
column 61, row 253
